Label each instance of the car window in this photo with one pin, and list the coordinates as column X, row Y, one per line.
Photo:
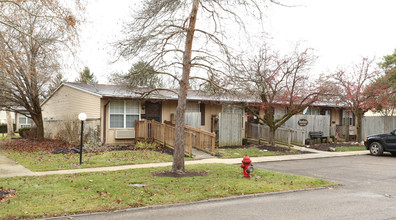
column 393, row 132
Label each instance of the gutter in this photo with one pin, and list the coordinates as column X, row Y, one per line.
column 104, row 121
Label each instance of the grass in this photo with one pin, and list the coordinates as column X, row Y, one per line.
column 350, row 148
column 252, row 151
column 4, row 136
column 57, row 195
column 43, row 161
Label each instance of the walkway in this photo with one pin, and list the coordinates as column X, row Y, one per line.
column 9, row 168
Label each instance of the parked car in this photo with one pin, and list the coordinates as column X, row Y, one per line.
column 380, row 143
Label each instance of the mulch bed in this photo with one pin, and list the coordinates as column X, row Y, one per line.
column 33, row 145
column 61, row 147
column 326, row 146
column 187, row 173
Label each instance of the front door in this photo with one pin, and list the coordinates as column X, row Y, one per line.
column 153, row 111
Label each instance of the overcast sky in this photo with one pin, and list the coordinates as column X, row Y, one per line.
column 340, row 32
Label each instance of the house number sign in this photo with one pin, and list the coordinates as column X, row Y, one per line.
column 302, row 122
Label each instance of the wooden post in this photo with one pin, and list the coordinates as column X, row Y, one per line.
column 289, row 139
column 136, row 128
column 199, row 140
column 190, row 145
column 163, row 134
column 145, row 129
column 213, row 144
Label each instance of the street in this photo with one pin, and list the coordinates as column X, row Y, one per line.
column 367, row 191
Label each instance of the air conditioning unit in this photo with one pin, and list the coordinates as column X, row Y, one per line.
column 124, row 134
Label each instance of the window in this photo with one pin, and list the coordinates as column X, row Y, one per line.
column 123, row 114
column 24, row 122
column 346, row 115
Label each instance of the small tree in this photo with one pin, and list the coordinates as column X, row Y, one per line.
column 350, row 88
column 277, row 82
column 86, row 76
column 386, row 104
column 141, row 74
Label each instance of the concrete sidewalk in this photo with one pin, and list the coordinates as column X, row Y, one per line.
column 11, row 169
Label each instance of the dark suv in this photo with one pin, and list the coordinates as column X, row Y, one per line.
column 379, row 143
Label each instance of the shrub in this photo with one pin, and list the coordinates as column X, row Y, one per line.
column 145, row 145
column 244, row 141
column 23, row 132
column 93, row 146
column 28, row 132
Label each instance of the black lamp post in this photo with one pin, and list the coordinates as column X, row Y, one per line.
column 82, row 117
column 2, row 126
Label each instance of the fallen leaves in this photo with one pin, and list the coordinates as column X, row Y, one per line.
column 32, row 145
column 5, row 194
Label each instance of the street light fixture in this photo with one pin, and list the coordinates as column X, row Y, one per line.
column 82, row 117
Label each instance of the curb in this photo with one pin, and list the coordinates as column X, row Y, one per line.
column 194, row 202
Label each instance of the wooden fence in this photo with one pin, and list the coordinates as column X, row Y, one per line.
column 230, row 129
column 315, row 123
column 378, row 125
column 165, row 134
column 283, row 135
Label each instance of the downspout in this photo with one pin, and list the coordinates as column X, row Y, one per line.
column 104, row 122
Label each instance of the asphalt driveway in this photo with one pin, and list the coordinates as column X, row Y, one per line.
column 367, row 191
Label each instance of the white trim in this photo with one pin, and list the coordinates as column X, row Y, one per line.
column 83, row 90
column 124, row 114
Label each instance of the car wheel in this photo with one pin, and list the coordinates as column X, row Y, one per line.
column 376, row 149
column 393, row 154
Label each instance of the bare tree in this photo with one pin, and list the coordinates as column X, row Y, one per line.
column 10, row 126
column 350, row 87
column 162, row 33
column 278, row 83
column 33, row 34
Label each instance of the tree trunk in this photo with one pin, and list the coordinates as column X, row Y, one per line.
column 359, row 118
column 178, row 155
column 271, row 138
column 10, row 127
column 38, row 121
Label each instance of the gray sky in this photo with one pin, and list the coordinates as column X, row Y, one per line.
column 340, row 32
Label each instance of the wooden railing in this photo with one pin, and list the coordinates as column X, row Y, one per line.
column 165, row 134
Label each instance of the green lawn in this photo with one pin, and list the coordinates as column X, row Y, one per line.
column 43, row 161
column 350, row 148
column 56, row 195
column 4, row 137
column 252, row 151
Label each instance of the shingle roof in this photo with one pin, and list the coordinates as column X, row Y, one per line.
column 116, row 91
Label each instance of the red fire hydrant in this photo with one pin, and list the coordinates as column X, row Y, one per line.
column 247, row 166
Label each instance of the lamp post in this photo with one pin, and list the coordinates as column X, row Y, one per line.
column 2, row 126
column 82, row 117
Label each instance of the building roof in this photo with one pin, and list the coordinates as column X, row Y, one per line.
column 116, row 91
